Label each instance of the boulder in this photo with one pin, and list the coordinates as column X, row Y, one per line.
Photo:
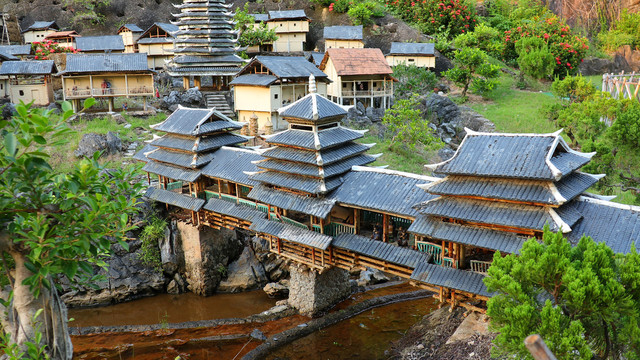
column 90, row 143
column 8, row 109
column 276, row 290
column 598, row 66
column 190, row 98
column 371, row 277
column 443, row 107
column 442, row 63
column 360, row 109
column 246, row 273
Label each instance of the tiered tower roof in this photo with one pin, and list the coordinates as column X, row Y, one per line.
column 501, row 188
column 315, row 151
column 192, row 137
column 206, row 41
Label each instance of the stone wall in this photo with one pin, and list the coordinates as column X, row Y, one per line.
column 206, row 253
column 312, row 292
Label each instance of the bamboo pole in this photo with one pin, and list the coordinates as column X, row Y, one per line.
column 538, row 348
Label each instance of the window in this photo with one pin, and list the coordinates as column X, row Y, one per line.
column 412, row 60
column 294, row 24
column 294, row 35
column 275, row 96
column 21, row 93
column 1, row 86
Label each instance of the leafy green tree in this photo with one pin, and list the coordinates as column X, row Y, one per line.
column 251, row 35
column 573, row 88
column 87, row 10
column 412, row 79
column 583, row 300
column 534, row 57
column 482, row 37
column 360, row 14
column 52, row 225
column 404, row 120
column 472, row 68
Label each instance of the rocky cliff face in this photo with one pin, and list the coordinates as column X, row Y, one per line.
column 118, row 12
column 584, row 12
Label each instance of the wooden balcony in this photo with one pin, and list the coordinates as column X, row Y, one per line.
column 110, row 92
column 366, row 93
column 478, row 266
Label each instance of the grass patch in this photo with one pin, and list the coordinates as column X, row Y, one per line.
column 596, row 80
column 403, row 159
column 517, row 111
column 63, row 159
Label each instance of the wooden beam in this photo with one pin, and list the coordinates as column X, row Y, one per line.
column 538, row 348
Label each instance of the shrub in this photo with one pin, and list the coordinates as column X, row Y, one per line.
column 573, row 88
column 568, row 49
column 610, row 41
column 506, row 14
column 534, row 58
column 150, row 236
column 404, row 120
column 472, row 68
column 412, row 79
column 43, row 50
column 483, row 37
column 435, row 16
column 341, row 6
column 625, row 129
column 360, row 14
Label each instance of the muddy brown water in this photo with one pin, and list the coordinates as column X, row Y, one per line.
column 166, row 308
column 365, row 336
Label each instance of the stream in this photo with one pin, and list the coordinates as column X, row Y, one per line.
column 365, row 336
column 167, row 308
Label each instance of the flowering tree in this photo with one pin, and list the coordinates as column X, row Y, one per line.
column 437, row 16
column 567, row 48
column 44, row 49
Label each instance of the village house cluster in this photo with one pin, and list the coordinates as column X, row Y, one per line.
column 200, row 46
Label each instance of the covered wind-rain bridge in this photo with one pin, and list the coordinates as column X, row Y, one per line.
column 311, row 197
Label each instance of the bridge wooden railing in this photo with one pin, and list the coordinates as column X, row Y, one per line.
column 622, row 86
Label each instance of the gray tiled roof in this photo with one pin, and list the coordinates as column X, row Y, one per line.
column 96, row 63
column 316, row 57
column 230, row 164
column 491, row 212
column 511, row 156
column 381, row 191
column 327, row 156
column 36, row 67
column 172, row 172
column 133, row 27
column 287, row 14
column 199, row 144
column 16, row 50
column 456, row 279
column 616, row 225
column 175, row 199
column 306, row 139
column 285, row 67
column 7, row 57
column 168, row 28
column 334, row 169
column 192, row 59
column 407, row 48
column 187, row 121
column 305, row 184
column 140, row 155
column 313, row 107
column 234, row 210
column 309, row 205
column 292, row 233
column 380, row 250
column 260, row 17
column 155, row 40
column 254, row 79
column 503, row 241
column 180, row 158
column 533, row 191
column 343, row 32
column 41, row 25
column 100, row 43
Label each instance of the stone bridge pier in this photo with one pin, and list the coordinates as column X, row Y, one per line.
column 311, row 291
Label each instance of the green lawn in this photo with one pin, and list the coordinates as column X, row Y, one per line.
column 62, row 157
column 412, row 161
column 517, row 111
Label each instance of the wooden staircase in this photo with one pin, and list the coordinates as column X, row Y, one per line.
column 218, row 101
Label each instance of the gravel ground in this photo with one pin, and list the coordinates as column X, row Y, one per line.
column 427, row 339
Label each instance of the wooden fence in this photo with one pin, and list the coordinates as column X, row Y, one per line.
column 621, row 86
